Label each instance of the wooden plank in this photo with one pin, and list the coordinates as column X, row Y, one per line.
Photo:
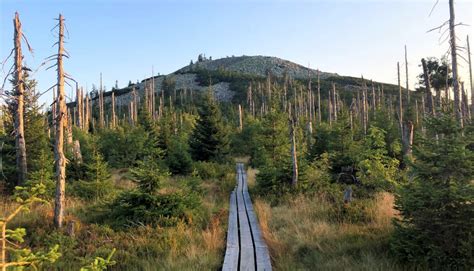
column 247, row 260
column 262, row 254
column 245, row 246
column 263, row 259
column 231, row 259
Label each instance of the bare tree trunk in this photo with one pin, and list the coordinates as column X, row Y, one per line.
column 330, row 107
column 406, row 77
column 78, row 107
column 20, row 142
column 319, row 99
column 334, row 101
column 87, row 113
column 470, row 76
column 374, row 101
column 400, row 102
column 77, row 152
column 240, row 119
column 364, row 108
column 60, row 159
column 408, row 138
column 101, row 104
column 426, row 78
column 113, row 110
column 416, row 112
column 454, row 63
column 294, row 158
column 465, row 105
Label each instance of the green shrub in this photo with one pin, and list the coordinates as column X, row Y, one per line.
column 211, row 170
column 149, row 175
column 436, row 228
column 137, row 208
column 178, row 158
column 98, row 182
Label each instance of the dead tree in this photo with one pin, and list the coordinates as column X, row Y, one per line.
column 79, row 120
column 319, row 99
column 101, row 104
column 454, row 63
column 400, row 102
column 240, row 119
column 87, row 114
column 470, row 76
column 60, row 159
column 113, row 123
column 294, row 157
column 20, row 143
column 406, row 77
column 330, row 107
column 334, row 101
column 429, row 96
column 364, row 106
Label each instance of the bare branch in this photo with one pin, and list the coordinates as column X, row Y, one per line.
column 434, row 6
column 6, row 59
column 27, row 43
column 439, row 27
column 55, row 64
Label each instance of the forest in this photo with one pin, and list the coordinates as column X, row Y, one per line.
column 369, row 177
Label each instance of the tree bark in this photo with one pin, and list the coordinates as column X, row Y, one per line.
column 294, row 157
column 319, row 99
column 334, row 101
column 20, row 142
column 240, row 119
column 406, row 77
column 454, row 63
column 470, row 76
column 60, row 159
column 429, row 96
column 400, row 103
column 87, row 113
column 113, row 123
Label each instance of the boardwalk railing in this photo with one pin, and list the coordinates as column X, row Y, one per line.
column 246, row 249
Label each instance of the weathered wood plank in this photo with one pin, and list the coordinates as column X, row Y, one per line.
column 246, row 247
column 247, row 260
column 231, row 259
column 262, row 254
column 263, row 259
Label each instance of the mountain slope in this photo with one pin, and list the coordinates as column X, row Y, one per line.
column 256, row 65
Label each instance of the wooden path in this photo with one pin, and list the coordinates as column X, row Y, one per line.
column 246, row 249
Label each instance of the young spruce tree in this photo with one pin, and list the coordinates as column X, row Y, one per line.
column 436, row 228
column 210, row 139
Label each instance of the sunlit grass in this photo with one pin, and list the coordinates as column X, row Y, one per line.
column 302, row 235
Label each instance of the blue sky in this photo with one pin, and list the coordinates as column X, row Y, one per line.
column 124, row 39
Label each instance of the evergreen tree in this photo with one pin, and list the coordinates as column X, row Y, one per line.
column 149, row 176
column 38, row 147
column 436, row 228
column 98, row 182
column 210, row 139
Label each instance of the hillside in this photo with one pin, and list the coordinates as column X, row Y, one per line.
column 229, row 78
column 256, row 65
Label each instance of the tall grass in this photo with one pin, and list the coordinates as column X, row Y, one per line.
column 303, row 234
column 198, row 245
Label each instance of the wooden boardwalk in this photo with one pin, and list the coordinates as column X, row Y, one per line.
column 246, row 249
